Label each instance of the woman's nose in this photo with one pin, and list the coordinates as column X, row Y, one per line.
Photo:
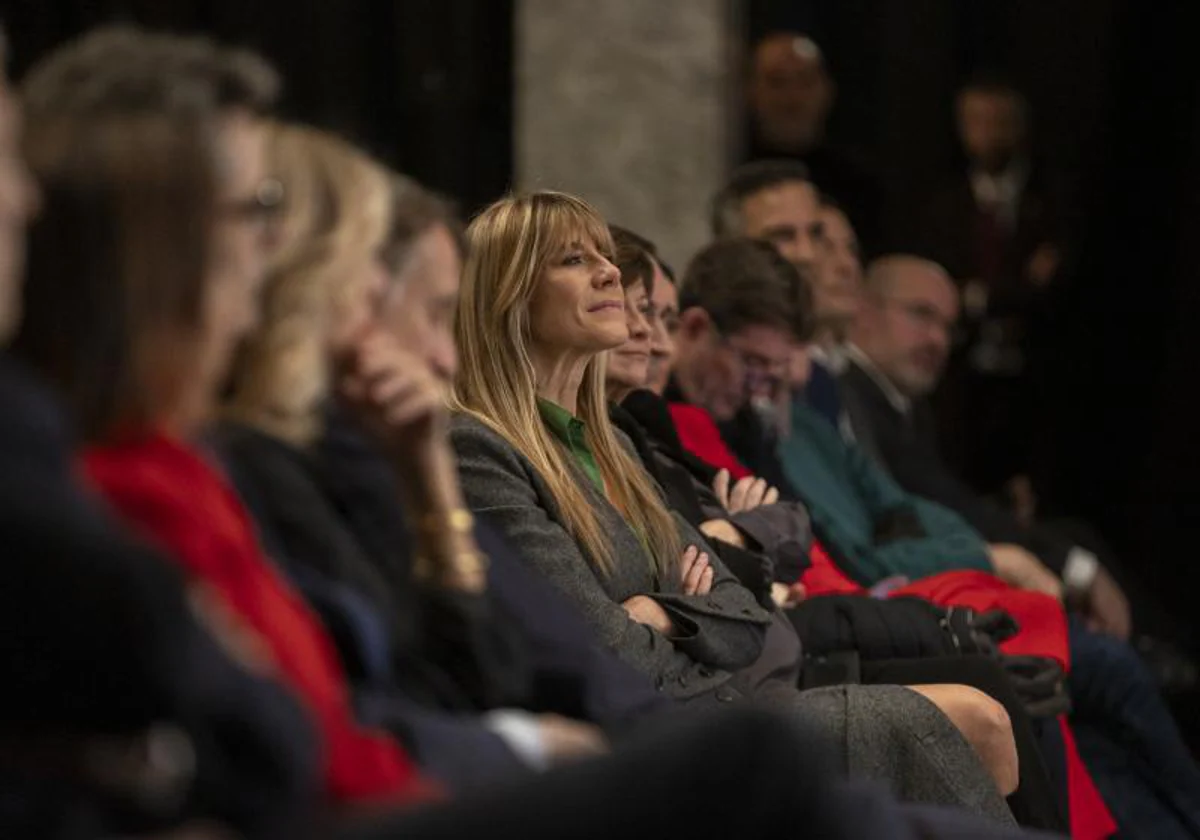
column 607, row 274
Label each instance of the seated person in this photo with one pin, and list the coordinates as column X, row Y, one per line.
column 131, row 312
column 878, row 535
column 540, row 304
column 899, row 347
column 762, row 535
column 317, row 331
column 734, row 343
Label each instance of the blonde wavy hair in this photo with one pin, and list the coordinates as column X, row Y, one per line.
column 509, row 247
column 335, row 222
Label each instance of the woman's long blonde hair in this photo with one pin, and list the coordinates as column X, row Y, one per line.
column 509, row 247
column 335, row 222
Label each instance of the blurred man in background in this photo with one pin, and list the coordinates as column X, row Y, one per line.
column 789, row 96
column 995, row 227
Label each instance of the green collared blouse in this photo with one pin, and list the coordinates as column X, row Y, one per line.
column 570, row 431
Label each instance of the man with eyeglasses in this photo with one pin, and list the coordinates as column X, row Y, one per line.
column 899, row 348
column 898, row 352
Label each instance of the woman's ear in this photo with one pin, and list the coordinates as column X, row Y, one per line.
column 694, row 324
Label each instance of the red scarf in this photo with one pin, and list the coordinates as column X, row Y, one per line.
column 166, row 491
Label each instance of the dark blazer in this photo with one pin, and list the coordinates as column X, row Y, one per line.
column 907, row 446
column 443, row 643
column 570, row 673
column 719, row 633
column 99, row 639
column 949, row 238
column 397, row 679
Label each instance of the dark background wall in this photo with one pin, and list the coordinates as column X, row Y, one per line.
column 425, row 84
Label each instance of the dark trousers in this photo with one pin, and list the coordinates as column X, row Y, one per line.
column 1040, row 799
column 741, row 774
column 1129, row 740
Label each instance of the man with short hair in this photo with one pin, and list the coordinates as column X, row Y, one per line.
column 790, row 94
column 898, row 352
column 734, row 347
column 900, row 346
column 774, row 201
column 997, row 229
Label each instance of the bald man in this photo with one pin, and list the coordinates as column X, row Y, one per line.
column 900, row 343
column 789, row 96
column 899, row 346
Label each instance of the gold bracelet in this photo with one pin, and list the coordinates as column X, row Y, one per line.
column 457, row 521
column 462, row 565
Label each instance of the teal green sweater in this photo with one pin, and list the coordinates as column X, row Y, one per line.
column 847, row 493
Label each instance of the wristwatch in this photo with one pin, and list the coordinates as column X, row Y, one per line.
column 1079, row 572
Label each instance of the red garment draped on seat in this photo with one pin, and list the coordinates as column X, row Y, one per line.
column 1043, row 632
column 1043, row 624
column 167, row 492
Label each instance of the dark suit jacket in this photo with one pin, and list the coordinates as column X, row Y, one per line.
column 950, row 232
column 97, row 638
column 907, row 445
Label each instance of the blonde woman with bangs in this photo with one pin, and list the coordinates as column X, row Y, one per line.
column 323, row 278
column 541, row 306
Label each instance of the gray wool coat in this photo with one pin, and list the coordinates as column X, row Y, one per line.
column 719, row 633
column 886, row 733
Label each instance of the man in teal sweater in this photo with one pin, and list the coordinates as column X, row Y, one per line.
column 730, row 353
column 872, row 528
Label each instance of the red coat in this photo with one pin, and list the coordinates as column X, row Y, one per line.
column 168, row 492
column 700, row 436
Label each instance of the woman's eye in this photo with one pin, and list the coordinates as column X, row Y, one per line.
column 573, row 259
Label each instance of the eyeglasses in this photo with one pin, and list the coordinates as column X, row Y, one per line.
column 262, row 208
column 761, row 374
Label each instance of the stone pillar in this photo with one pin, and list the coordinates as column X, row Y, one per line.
column 629, row 104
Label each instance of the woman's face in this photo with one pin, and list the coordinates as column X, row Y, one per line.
column 629, row 364
column 577, row 308
column 664, row 322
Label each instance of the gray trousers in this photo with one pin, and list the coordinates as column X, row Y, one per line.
column 882, row 733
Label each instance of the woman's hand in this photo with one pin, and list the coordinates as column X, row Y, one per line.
column 723, row 530
column 647, row 611
column 695, row 572
column 1016, row 566
column 786, row 596
column 746, row 494
column 396, row 396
